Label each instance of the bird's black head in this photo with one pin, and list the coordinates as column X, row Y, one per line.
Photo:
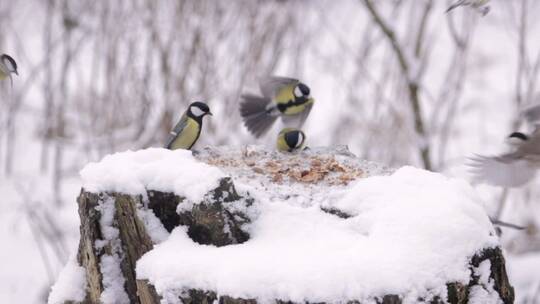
column 9, row 63
column 301, row 90
column 198, row 110
column 294, row 139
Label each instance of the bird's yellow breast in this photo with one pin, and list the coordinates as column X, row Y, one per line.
column 3, row 75
column 189, row 135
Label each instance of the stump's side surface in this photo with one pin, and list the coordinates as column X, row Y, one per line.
column 208, row 223
column 88, row 256
column 132, row 237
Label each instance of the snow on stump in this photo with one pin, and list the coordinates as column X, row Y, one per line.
column 247, row 225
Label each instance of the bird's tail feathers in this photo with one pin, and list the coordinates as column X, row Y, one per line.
column 254, row 111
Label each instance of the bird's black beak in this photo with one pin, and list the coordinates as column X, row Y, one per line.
column 16, row 73
column 210, row 113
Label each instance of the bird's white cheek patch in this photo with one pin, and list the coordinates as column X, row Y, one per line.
column 297, row 92
column 196, row 111
column 300, row 140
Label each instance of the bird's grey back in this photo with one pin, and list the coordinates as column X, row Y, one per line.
column 532, row 114
column 271, row 85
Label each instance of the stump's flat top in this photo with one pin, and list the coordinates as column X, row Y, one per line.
column 320, row 165
column 311, row 177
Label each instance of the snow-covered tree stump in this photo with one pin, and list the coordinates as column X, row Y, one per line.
column 242, row 226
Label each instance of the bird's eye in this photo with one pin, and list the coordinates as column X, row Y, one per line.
column 298, row 92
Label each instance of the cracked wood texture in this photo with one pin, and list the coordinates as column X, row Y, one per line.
column 133, row 239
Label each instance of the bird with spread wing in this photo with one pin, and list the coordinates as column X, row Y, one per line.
column 519, row 164
column 283, row 97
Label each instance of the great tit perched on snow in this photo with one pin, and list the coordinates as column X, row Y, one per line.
column 290, row 139
column 283, row 97
column 479, row 5
column 517, row 166
column 8, row 66
column 187, row 130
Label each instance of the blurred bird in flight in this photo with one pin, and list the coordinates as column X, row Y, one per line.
column 283, row 97
column 519, row 164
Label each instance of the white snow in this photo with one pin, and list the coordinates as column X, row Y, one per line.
column 154, row 169
column 109, row 264
column 482, row 296
column 113, row 280
column 153, row 226
column 70, row 285
column 409, row 233
column 523, row 274
column 106, row 208
column 484, row 293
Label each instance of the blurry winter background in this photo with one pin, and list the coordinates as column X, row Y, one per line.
column 398, row 81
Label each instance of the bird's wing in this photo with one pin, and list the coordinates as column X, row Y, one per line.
column 273, row 84
column 304, row 114
column 298, row 120
column 532, row 114
column 182, row 123
column 505, row 170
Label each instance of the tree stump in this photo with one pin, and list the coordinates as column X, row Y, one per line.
column 113, row 229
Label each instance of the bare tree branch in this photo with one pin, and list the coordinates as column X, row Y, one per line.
column 412, row 85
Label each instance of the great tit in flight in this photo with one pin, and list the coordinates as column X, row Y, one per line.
column 283, row 97
column 517, row 166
